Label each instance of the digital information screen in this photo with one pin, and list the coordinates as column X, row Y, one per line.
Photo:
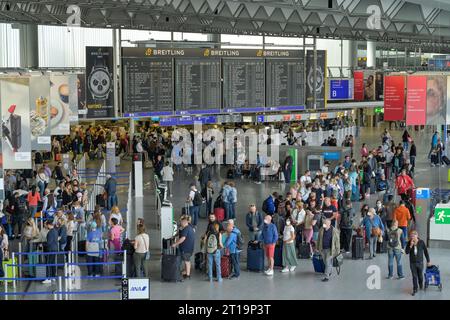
column 148, row 85
column 341, row 89
column 243, row 84
column 285, row 82
column 197, row 85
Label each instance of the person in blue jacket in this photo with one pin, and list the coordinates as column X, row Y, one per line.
column 269, row 237
column 254, row 222
column 371, row 221
column 232, row 247
column 268, row 206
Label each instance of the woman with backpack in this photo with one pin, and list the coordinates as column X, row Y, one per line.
column 213, row 247
column 395, row 250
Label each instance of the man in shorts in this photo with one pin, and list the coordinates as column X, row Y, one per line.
column 269, row 237
column 186, row 243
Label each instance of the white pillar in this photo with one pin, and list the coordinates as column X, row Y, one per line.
column 371, row 56
column 29, row 49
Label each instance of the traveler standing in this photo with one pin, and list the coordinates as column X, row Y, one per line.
column 194, row 201
column 346, row 225
column 287, row 169
column 111, row 189
column 234, row 240
column 33, row 198
column 254, row 222
column 227, row 199
column 51, row 246
column 328, row 246
column 405, row 139
column 395, row 250
column 412, row 156
column 213, row 247
column 405, row 185
column 416, row 249
column 94, row 247
column 269, row 237
column 402, row 215
column 374, row 229
column 141, row 247
column 186, row 243
column 167, row 177
column 289, row 254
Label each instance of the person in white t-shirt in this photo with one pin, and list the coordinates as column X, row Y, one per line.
column 115, row 213
column 167, row 176
column 306, row 178
column 289, row 255
column 141, row 247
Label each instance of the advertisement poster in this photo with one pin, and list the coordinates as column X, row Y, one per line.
column 321, row 74
column 379, row 87
column 416, row 100
column 15, row 115
column 81, row 90
column 436, row 99
column 40, row 113
column 73, row 99
column 59, row 104
column 369, row 85
column 99, row 82
column 394, row 98
column 358, row 85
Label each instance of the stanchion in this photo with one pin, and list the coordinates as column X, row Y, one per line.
column 124, row 264
column 14, row 270
column 66, row 278
column 60, row 287
column 6, row 288
column 20, row 260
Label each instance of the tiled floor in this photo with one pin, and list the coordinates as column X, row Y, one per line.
column 303, row 284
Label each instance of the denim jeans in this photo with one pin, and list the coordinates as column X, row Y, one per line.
column 214, row 258
column 403, row 237
column 254, row 236
column 33, row 210
column 372, row 245
column 41, row 187
column 228, row 210
column 193, row 212
column 112, row 201
column 209, row 207
column 398, row 257
column 232, row 211
column 235, row 264
column 405, row 145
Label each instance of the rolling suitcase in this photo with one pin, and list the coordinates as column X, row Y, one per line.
column 8, row 270
column 170, row 263
column 255, row 257
column 304, row 251
column 220, row 214
column 199, row 261
column 446, row 160
column 382, row 246
column 318, row 263
column 225, row 266
column 357, row 247
column 278, row 255
column 230, row 174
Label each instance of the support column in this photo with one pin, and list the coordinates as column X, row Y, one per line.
column 29, row 49
column 352, row 53
column 131, row 135
column 215, row 37
column 117, row 62
column 371, row 54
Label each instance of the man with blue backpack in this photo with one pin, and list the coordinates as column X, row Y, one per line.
column 268, row 206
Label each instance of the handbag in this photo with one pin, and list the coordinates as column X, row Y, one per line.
column 337, row 262
column 375, row 231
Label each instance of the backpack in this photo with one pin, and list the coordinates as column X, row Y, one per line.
column 393, row 239
column 382, row 186
column 22, row 204
column 212, row 243
column 240, row 241
column 265, row 206
column 346, row 220
column 198, row 200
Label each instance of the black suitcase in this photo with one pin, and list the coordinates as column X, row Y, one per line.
column 357, row 247
column 278, row 255
column 434, row 159
column 200, row 261
column 446, row 160
column 304, row 251
column 382, row 246
column 81, row 248
column 170, row 267
column 230, row 174
column 100, row 201
column 47, row 156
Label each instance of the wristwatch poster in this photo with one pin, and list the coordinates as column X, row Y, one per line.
column 320, row 85
column 99, row 82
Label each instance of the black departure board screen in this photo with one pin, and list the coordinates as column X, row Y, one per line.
column 284, row 82
column 197, row 85
column 147, row 85
column 243, row 83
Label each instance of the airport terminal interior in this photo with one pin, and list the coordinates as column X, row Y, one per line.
column 225, row 150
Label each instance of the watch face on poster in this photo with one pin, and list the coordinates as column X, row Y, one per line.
column 100, row 83
column 319, row 79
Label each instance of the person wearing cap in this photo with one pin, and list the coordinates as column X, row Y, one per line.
column 110, row 188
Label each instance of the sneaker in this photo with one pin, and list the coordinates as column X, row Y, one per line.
column 284, row 270
column 347, row 252
column 269, row 272
column 266, row 271
column 292, row 269
column 401, row 278
column 325, row 280
column 220, row 280
column 54, row 280
column 389, row 277
column 47, row 281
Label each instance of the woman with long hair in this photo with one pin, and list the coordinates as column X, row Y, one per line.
column 33, row 198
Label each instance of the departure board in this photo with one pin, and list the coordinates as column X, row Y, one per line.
column 243, row 83
column 284, row 82
column 147, row 85
column 197, row 85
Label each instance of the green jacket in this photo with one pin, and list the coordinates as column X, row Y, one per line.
column 335, row 243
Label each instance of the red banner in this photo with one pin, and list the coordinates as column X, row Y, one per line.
column 416, row 101
column 394, row 98
column 358, row 85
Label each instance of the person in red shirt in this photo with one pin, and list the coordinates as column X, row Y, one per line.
column 404, row 185
column 33, row 198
